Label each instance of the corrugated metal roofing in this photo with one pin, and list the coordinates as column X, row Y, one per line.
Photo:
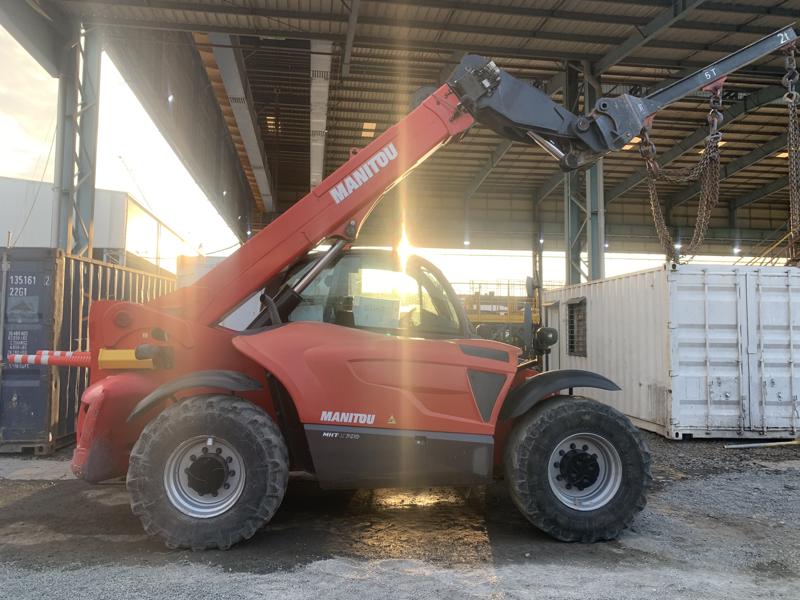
column 400, row 45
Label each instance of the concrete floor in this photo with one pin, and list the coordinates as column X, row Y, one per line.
column 719, row 524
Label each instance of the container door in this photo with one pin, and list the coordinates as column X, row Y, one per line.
column 773, row 341
column 708, row 320
column 27, row 392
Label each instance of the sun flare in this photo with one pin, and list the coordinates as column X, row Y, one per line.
column 404, row 247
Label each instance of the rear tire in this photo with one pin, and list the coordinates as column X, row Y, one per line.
column 577, row 469
column 208, row 472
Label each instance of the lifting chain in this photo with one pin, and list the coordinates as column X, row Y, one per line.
column 706, row 170
column 792, row 97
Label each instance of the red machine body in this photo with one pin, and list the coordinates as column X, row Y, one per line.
column 309, row 359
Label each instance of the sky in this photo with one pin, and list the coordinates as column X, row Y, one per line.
column 132, row 155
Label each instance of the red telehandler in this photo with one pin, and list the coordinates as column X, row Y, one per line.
column 360, row 370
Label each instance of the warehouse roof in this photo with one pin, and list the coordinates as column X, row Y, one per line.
column 398, row 45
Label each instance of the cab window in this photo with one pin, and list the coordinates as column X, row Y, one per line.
column 369, row 292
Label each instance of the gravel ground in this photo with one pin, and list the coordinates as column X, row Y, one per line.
column 719, row 524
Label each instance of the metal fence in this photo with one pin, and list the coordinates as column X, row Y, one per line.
column 84, row 280
column 499, row 301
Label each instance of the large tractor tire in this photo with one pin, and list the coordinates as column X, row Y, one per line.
column 577, row 469
column 208, row 472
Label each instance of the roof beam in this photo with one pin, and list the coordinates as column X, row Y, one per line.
column 352, row 21
column 730, row 169
column 725, row 7
column 236, row 87
column 320, row 64
column 340, row 19
column 37, row 32
column 496, row 9
column 759, row 193
column 548, row 187
column 642, row 36
column 751, row 9
column 413, row 44
column 747, row 105
column 491, row 162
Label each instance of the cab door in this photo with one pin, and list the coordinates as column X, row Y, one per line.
column 387, row 382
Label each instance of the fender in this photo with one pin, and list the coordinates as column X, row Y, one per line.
column 220, row 379
column 537, row 388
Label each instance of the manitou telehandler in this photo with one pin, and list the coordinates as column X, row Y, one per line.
column 362, row 369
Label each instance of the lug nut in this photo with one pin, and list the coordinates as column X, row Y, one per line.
column 229, row 459
column 193, row 458
column 556, row 464
column 585, row 447
column 569, row 486
column 231, row 473
column 218, row 450
column 561, row 453
column 214, row 494
column 572, row 446
column 205, row 450
column 227, row 486
column 558, row 477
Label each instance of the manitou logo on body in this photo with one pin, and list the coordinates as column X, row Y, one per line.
column 347, row 417
column 363, row 173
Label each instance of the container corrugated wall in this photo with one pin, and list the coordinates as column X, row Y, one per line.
column 698, row 350
column 620, row 317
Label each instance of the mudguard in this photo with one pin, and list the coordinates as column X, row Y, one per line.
column 218, row 379
column 537, row 388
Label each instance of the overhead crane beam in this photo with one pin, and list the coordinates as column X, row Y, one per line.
column 759, row 193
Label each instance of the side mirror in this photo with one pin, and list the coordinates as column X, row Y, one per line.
column 543, row 338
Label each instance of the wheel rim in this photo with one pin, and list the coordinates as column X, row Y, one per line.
column 204, row 476
column 585, row 471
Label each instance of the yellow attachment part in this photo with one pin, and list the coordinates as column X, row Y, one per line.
column 122, row 359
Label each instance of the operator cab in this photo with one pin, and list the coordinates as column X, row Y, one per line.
column 371, row 289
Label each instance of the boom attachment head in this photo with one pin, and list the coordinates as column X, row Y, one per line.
column 522, row 113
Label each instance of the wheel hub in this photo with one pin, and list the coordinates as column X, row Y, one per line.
column 207, row 474
column 579, row 468
column 585, row 471
column 204, row 477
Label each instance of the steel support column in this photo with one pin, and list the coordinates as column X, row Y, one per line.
column 66, row 138
column 572, row 201
column 595, row 205
column 88, row 121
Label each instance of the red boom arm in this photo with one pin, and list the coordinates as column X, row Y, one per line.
column 347, row 196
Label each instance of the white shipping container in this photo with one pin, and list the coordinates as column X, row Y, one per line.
column 699, row 351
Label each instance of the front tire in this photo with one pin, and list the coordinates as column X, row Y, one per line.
column 577, row 469
column 208, row 472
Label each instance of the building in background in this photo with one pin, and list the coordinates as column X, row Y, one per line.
column 124, row 231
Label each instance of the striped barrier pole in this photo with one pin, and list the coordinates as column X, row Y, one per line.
column 60, row 359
